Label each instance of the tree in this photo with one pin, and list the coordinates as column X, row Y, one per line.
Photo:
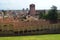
column 45, row 16
column 40, row 15
column 52, row 14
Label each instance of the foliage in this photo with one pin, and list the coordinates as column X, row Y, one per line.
column 52, row 14
column 45, row 16
column 41, row 15
column 58, row 15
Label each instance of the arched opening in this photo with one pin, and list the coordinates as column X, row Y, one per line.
column 5, row 25
column 0, row 30
column 16, row 32
column 29, row 31
column 33, row 30
column 21, row 32
column 25, row 31
column 37, row 29
column 41, row 29
column 10, row 30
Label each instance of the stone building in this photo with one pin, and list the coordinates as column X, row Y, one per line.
column 25, row 12
column 32, row 11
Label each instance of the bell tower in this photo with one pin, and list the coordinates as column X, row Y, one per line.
column 32, row 10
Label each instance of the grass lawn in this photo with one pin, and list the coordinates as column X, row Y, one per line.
column 33, row 37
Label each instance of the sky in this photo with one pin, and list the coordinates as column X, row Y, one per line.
column 20, row 4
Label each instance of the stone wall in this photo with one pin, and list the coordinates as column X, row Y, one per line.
column 17, row 27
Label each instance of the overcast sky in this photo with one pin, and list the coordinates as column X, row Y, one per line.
column 20, row 4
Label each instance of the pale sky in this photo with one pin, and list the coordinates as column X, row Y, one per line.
column 20, row 4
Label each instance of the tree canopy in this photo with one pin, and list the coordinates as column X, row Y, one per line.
column 52, row 14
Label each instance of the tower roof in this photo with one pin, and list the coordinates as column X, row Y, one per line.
column 32, row 4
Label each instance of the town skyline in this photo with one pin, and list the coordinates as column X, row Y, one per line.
column 20, row 4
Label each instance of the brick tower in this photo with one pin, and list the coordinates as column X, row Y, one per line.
column 32, row 10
